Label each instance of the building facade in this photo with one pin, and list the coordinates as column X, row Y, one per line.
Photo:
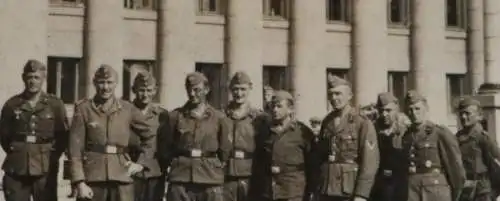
column 443, row 48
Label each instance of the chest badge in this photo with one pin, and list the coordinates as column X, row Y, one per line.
column 17, row 113
column 93, row 124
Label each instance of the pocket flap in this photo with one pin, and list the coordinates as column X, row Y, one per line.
column 426, row 145
column 435, row 181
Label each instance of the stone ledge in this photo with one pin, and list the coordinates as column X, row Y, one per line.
column 212, row 19
column 276, row 24
column 144, row 15
column 338, row 27
column 76, row 11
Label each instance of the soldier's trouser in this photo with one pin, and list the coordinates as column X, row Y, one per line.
column 111, row 191
column 389, row 189
column 332, row 198
column 149, row 189
column 194, row 192
column 428, row 187
column 21, row 188
column 291, row 199
column 237, row 190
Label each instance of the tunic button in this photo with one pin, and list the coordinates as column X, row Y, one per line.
column 412, row 155
column 427, row 145
column 428, row 163
column 436, row 181
column 412, row 163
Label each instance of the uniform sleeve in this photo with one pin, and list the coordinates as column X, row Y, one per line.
column 491, row 156
column 369, row 155
column 5, row 118
column 165, row 139
column 225, row 146
column 76, row 145
column 450, row 155
column 61, row 127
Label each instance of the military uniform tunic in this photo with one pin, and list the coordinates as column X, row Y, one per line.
column 348, row 156
column 243, row 134
column 200, row 149
column 34, row 139
column 479, row 152
column 99, row 145
column 434, row 163
column 286, row 162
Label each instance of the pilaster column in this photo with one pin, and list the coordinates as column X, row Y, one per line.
column 475, row 44
column 492, row 47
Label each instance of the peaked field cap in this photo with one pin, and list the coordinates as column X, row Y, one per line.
column 385, row 98
column 195, row 78
column 335, row 81
column 144, row 78
column 105, row 71
column 240, row 77
column 413, row 97
column 282, row 95
column 466, row 102
column 34, row 65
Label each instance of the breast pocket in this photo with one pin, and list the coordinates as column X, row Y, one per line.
column 429, row 150
column 348, row 142
column 435, row 188
column 46, row 122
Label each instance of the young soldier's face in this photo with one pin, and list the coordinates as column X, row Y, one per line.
column 145, row 94
column 268, row 95
column 388, row 113
column 197, row 93
column 339, row 96
column 33, row 81
column 105, row 87
column 469, row 115
column 417, row 112
column 281, row 109
column 240, row 92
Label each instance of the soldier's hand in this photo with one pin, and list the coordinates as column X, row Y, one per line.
column 134, row 168
column 84, row 191
column 359, row 199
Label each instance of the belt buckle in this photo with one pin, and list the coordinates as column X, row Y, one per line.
column 195, row 153
column 413, row 169
column 331, row 158
column 239, row 154
column 275, row 169
column 110, row 149
column 30, row 139
column 388, row 173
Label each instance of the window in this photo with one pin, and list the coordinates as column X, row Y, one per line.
column 398, row 85
column 276, row 8
column 140, row 4
column 277, row 77
column 210, row 6
column 130, row 70
column 342, row 73
column 398, row 12
column 217, row 76
column 456, row 12
column 338, row 10
column 65, row 78
column 67, row 2
column 456, row 87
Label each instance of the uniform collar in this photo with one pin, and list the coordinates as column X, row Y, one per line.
column 249, row 111
column 209, row 110
column 26, row 106
column 115, row 106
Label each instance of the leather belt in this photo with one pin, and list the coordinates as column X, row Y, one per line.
column 31, row 139
column 477, row 176
column 275, row 169
column 415, row 170
column 197, row 153
column 107, row 149
column 238, row 154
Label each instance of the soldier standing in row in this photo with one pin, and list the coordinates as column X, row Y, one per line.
column 433, row 156
column 479, row 152
column 244, row 124
column 347, row 149
column 390, row 126
column 100, row 134
column 201, row 148
column 150, row 183
column 268, row 95
column 33, row 133
column 285, row 158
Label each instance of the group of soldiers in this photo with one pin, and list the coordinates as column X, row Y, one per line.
column 123, row 151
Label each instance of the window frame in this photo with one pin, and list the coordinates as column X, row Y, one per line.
column 66, row 3
column 219, row 7
column 78, row 91
column 140, row 5
column 346, row 10
column 452, row 99
column 223, row 90
column 128, row 79
column 404, row 6
column 461, row 15
column 267, row 10
column 390, row 85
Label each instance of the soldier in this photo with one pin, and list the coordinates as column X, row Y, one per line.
column 245, row 123
column 347, row 149
column 479, row 152
column 435, row 170
column 390, row 126
column 150, row 184
column 285, row 155
column 33, row 134
column 268, row 95
column 315, row 123
column 102, row 126
column 201, row 148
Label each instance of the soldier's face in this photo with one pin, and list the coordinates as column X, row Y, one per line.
column 240, row 92
column 339, row 96
column 469, row 115
column 417, row 112
column 33, row 81
column 145, row 94
column 281, row 109
column 197, row 93
column 268, row 95
column 105, row 87
column 388, row 113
